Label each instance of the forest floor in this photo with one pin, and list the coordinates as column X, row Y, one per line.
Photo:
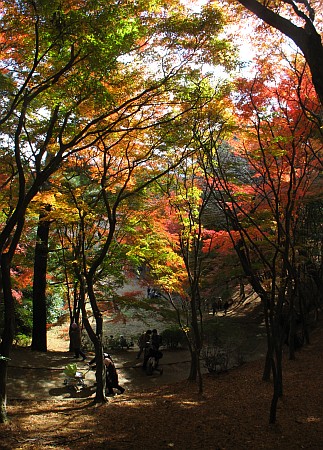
column 159, row 412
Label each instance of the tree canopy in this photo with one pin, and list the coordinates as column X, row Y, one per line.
column 131, row 138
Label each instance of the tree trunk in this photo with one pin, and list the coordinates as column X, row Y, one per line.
column 96, row 338
column 269, row 354
column 278, row 384
column 8, row 333
column 197, row 344
column 199, row 374
column 273, row 406
column 292, row 333
column 268, row 365
column 100, row 374
column 193, row 369
column 39, row 335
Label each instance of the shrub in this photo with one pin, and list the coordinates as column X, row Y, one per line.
column 24, row 317
column 173, row 338
column 211, row 333
column 22, row 340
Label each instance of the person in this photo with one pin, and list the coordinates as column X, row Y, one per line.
column 152, row 350
column 75, row 341
column 156, row 339
column 112, row 379
column 143, row 341
column 157, row 355
column 122, row 342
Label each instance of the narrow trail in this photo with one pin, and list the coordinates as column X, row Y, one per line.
column 36, row 375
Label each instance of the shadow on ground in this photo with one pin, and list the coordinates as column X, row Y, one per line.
column 40, row 376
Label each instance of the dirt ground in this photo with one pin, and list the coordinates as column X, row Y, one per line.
column 232, row 414
column 40, row 376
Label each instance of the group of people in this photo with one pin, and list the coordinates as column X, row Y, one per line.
column 149, row 344
column 112, row 379
column 220, row 305
column 152, row 293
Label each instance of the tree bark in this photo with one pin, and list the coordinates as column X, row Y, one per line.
column 96, row 338
column 100, row 373
column 195, row 371
column 278, row 384
column 193, row 368
column 8, row 332
column 39, row 335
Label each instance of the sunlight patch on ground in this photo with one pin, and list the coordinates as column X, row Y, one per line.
column 189, row 403
column 135, row 403
column 310, row 419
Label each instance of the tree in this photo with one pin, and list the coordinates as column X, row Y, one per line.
column 179, row 270
column 51, row 108
column 120, row 177
column 174, row 249
column 261, row 189
column 189, row 201
column 39, row 338
column 300, row 27
column 33, row 88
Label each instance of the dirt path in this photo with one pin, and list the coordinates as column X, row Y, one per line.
column 232, row 415
column 35, row 375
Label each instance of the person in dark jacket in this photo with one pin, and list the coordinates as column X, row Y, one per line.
column 156, row 339
column 112, row 379
column 143, row 342
column 152, row 350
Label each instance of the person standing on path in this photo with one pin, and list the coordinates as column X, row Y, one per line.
column 143, row 342
column 112, row 379
column 152, row 350
column 75, row 341
column 156, row 339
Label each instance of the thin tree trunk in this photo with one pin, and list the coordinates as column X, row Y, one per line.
column 242, row 293
column 8, row 333
column 96, row 338
column 39, row 335
column 292, row 333
column 100, row 373
column 269, row 354
column 193, row 368
column 273, row 406
column 197, row 344
column 199, row 375
column 278, row 385
column 268, row 365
